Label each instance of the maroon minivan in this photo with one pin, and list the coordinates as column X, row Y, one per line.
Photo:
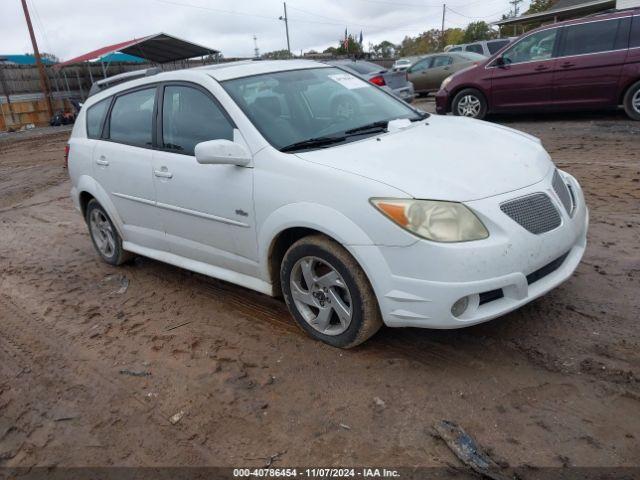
column 591, row 63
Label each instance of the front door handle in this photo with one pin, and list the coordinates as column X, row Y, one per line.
column 541, row 68
column 102, row 161
column 163, row 173
column 568, row 65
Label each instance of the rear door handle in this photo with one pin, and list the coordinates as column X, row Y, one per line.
column 102, row 161
column 568, row 65
column 163, row 173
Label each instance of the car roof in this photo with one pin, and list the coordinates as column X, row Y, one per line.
column 228, row 71
column 590, row 18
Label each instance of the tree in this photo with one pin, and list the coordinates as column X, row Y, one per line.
column 276, row 55
column 426, row 42
column 352, row 46
column 538, row 6
column 384, row 49
column 477, row 31
column 330, row 50
column 453, row 36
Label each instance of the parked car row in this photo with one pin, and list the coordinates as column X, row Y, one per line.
column 428, row 73
column 590, row 63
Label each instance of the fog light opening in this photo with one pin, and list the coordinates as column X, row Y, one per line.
column 458, row 308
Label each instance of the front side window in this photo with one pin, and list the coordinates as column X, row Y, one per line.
column 322, row 103
column 421, row 66
column 536, row 47
column 475, row 48
column 591, row 37
column 189, row 117
column 131, row 119
column 95, row 118
column 441, row 61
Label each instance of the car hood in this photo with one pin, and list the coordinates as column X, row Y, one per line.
column 444, row 158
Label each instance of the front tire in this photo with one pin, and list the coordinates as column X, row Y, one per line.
column 104, row 235
column 328, row 294
column 632, row 101
column 470, row 103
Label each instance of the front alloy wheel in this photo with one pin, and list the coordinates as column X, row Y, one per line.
column 470, row 103
column 327, row 292
column 321, row 296
column 469, row 106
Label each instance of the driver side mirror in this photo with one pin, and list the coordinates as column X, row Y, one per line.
column 222, row 152
column 500, row 62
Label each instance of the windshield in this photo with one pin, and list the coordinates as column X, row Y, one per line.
column 301, row 105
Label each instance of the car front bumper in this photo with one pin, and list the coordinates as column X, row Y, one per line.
column 416, row 286
column 442, row 102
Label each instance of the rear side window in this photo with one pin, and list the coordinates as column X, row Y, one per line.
column 635, row 32
column 495, row 46
column 131, row 119
column 189, row 117
column 455, row 49
column 95, row 118
column 591, row 37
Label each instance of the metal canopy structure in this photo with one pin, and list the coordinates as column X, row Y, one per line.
column 158, row 48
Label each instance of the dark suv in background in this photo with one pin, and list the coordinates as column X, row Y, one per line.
column 590, row 63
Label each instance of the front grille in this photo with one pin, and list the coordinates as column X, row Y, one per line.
column 562, row 190
column 546, row 270
column 534, row 212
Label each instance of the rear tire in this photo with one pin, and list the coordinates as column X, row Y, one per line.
column 632, row 101
column 328, row 293
column 470, row 103
column 105, row 237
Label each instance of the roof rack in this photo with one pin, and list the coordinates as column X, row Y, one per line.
column 109, row 82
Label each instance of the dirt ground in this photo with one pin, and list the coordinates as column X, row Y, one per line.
column 554, row 384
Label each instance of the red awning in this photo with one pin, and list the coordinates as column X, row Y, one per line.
column 158, row 48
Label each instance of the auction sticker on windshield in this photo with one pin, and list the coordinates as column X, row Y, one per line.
column 348, row 81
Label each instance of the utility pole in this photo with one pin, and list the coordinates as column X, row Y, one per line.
column 44, row 84
column 444, row 13
column 286, row 25
column 516, row 11
column 256, row 51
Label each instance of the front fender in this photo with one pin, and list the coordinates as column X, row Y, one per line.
column 308, row 215
column 89, row 185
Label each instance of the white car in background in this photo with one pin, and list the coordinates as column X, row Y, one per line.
column 244, row 173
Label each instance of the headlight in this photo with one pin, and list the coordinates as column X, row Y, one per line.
column 446, row 82
column 433, row 220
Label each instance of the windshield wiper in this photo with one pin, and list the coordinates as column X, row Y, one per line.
column 312, row 143
column 378, row 126
column 421, row 116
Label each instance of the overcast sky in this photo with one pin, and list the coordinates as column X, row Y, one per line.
column 70, row 27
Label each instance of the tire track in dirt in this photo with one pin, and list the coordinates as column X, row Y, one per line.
column 37, row 354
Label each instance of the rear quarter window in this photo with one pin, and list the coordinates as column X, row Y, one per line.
column 635, row 32
column 95, row 118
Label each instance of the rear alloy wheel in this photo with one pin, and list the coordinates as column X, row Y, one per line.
column 104, row 235
column 632, row 101
column 470, row 103
column 328, row 294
